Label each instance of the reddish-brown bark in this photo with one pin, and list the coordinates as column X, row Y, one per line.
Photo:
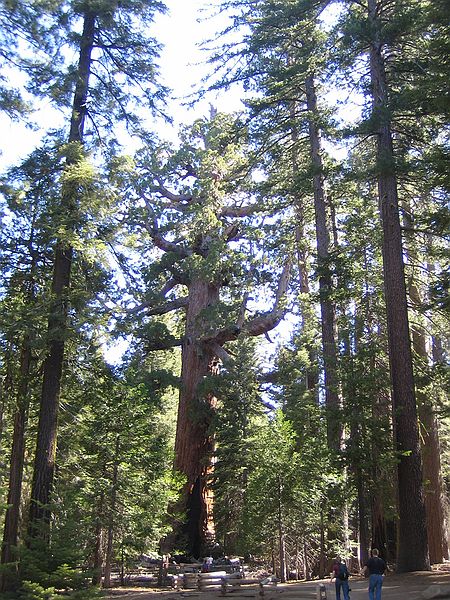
column 194, row 441
column 412, row 536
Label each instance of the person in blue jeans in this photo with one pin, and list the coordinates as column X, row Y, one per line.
column 340, row 575
column 376, row 567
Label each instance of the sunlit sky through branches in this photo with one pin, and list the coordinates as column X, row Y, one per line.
column 183, row 66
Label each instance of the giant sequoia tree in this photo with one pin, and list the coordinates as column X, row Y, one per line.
column 198, row 212
column 208, row 233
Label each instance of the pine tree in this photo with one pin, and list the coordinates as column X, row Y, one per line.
column 380, row 30
column 29, row 191
column 112, row 30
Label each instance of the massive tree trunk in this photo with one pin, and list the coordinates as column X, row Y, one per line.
column 334, row 429
column 413, row 547
column 44, row 465
column 194, row 441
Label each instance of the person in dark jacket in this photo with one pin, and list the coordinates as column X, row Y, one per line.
column 376, row 568
column 340, row 575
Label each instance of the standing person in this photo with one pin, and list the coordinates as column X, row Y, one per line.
column 205, row 566
column 376, row 568
column 340, row 574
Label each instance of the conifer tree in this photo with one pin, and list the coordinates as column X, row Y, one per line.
column 113, row 30
column 29, row 191
column 385, row 34
column 198, row 211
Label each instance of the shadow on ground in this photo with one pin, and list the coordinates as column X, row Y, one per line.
column 408, row 586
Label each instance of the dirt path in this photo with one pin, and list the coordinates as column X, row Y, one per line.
column 395, row 587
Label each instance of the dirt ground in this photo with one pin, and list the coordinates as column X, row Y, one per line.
column 407, row 586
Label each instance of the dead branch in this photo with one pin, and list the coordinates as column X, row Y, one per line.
column 163, row 309
column 261, row 324
column 240, row 211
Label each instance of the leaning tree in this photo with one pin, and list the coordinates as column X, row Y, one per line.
column 205, row 238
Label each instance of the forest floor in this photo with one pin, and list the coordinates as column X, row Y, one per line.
column 408, row 586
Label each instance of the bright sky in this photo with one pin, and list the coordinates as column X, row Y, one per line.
column 182, row 68
column 180, row 32
column 182, row 65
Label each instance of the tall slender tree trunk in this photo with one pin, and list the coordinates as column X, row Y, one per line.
column 11, row 528
column 412, row 540
column 194, row 441
column 112, row 517
column 363, row 531
column 306, row 309
column 358, row 432
column 431, row 452
column 439, row 357
column 44, row 464
column 97, row 559
column 381, row 412
column 322, row 556
column 306, row 561
column 281, row 536
column 325, row 281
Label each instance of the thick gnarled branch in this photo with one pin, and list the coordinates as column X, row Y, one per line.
column 259, row 325
column 164, row 244
column 241, row 211
column 166, row 344
column 162, row 309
